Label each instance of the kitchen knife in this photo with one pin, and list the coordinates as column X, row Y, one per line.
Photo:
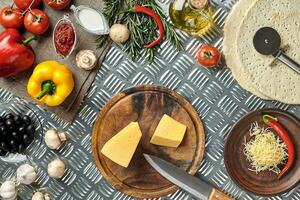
column 187, row 182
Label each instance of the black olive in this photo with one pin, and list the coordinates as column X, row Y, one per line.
column 4, row 134
column 1, row 119
column 12, row 129
column 26, row 119
column 16, row 136
column 30, row 130
column 21, row 129
column 13, row 149
column 27, row 139
column 13, row 146
column 9, row 123
column 21, row 148
column 18, row 120
column 3, row 146
column 3, row 152
column 9, row 116
column 13, row 143
column 2, row 128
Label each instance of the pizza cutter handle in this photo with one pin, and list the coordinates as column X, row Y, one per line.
column 288, row 61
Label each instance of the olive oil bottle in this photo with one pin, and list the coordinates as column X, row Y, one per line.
column 193, row 17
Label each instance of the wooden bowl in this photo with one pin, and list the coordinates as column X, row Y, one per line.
column 147, row 104
column 264, row 183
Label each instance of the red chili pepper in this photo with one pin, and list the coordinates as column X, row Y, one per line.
column 283, row 134
column 15, row 54
column 156, row 18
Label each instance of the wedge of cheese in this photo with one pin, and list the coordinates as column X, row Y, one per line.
column 121, row 147
column 169, row 132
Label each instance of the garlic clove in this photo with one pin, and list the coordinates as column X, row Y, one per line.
column 56, row 169
column 62, row 136
column 26, row 174
column 47, row 197
column 86, row 59
column 8, row 190
column 53, row 139
column 40, row 196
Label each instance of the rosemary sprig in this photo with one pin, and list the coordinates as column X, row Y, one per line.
column 143, row 28
column 111, row 8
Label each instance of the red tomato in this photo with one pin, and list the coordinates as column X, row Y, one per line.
column 58, row 4
column 11, row 17
column 36, row 22
column 208, row 56
column 24, row 4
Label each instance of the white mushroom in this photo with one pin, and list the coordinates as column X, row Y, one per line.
column 56, row 169
column 86, row 59
column 119, row 33
column 40, row 196
column 8, row 190
column 53, row 139
column 26, row 174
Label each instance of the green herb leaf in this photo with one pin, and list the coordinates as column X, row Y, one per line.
column 143, row 28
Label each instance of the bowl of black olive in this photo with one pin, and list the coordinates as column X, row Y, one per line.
column 20, row 130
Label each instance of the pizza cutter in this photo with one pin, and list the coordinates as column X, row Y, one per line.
column 267, row 42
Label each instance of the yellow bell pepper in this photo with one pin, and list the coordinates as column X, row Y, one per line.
column 50, row 83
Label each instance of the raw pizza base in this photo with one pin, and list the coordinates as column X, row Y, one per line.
column 278, row 81
column 233, row 21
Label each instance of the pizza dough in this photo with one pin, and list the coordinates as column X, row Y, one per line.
column 233, row 21
column 263, row 75
column 272, row 78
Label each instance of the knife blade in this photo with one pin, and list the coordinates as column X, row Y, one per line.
column 187, row 182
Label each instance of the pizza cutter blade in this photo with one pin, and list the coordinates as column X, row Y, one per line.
column 267, row 42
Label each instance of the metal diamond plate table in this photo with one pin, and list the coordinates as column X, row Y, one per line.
column 214, row 93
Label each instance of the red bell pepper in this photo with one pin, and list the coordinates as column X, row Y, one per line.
column 15, row 54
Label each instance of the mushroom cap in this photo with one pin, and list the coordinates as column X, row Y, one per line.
column 86, row 59
column 119, row 33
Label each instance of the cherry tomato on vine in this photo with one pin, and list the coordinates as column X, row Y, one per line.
column 58, row 4
column 24, row 4
column 11, row 17
column 36, row 22
column 208, row 56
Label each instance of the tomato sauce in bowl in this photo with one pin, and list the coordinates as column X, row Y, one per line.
column 64, row 37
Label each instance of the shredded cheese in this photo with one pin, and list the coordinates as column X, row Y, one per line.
column 264, row 150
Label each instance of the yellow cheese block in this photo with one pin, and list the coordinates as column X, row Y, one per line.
column 169, row 132
column 121, row 147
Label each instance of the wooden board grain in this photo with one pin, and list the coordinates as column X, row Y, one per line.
column 264, row 183
column 44, row 50
column 146, row 105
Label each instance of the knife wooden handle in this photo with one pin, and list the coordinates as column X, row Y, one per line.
column 218, row 195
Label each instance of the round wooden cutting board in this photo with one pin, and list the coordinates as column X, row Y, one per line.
column 146, row 105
